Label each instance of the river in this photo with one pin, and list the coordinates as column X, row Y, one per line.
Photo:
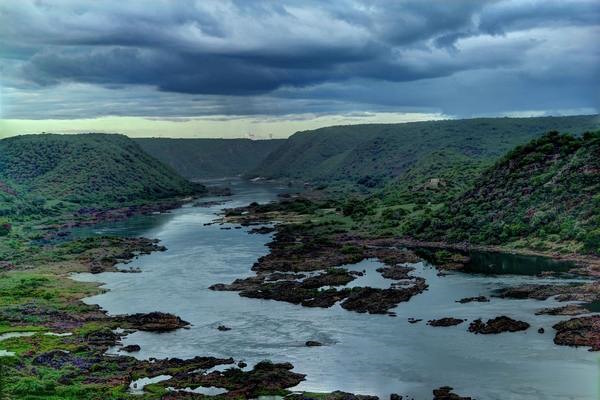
column 366, row 354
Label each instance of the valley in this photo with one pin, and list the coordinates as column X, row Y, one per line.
column 114, row 268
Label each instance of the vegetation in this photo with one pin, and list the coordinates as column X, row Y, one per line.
column 378, row 154
column 209, row 158
column 447, row 182
column 45, row 173
column 543, row 195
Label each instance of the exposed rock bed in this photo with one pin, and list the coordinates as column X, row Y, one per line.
column 581, row 331
column 265, row 377
column 305, row 270
column 337, row 395
column 448, row 321
column 569, row 309
column 479, row 299
column 497, row 325
column 153, row 322
column 587, row 292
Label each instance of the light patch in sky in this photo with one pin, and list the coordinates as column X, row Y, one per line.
column 257, row 127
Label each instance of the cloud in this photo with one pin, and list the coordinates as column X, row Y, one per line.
column 251, row 57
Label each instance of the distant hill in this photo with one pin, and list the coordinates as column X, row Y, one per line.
column 545, row 194
column 209, row 158
column 375, row 154
column 84, row 169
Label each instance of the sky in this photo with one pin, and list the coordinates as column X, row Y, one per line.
column 266, row 69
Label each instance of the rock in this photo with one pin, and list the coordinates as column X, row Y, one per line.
column 541, row 330
column 380, row 301
column 395, row 396
column 263, row 230
column 587, row 292
column 154, row 321
column 580, row 331
column 396, row 272
column 313, row 343
column 132, row 348
column 265, row 377
column 497, row 325
column 448, row 321
column 102, row 337
column 445, row 393
column 278, row 276
column 223, row 328
column 569, row 309
column 336, row 395
column 333, row 277
column 242, row 364
column 479, row 299
column 59, row 359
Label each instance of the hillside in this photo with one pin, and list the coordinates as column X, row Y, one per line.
column 209, row 158
column 84, row 169
column 375, row 154
column 543, row 195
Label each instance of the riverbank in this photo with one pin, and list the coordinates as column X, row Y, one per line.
column 161, row 271
column 305, row 243
column 61, row 351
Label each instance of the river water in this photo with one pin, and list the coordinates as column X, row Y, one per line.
column 367, row 354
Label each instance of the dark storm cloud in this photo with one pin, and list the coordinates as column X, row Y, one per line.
column 299, row 49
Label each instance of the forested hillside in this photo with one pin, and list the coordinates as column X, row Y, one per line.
column 84, row 169
column 209, row 158
column 544, row 195
column 376, row 154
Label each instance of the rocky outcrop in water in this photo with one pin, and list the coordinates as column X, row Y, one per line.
column 153, row 322
column 479, row 299
column 581, row 331
column 313, row 343
column 448, row 321
column 263, row 230
column 380, row 301
column 497, row 325
column 587, row 292
column 337, row 395
column 266, row 377
column 569, row 309
column 132, row 348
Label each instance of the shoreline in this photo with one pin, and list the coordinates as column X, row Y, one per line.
column 589, row 265
column 137, row 368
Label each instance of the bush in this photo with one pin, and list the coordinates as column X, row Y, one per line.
column 5, row 227
column 591, row 242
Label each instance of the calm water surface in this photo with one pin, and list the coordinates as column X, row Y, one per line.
column 368, row 354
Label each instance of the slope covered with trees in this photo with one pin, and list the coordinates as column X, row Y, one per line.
column 209, row 158
column 544, row 195
column 86, row 169
column 377, row 154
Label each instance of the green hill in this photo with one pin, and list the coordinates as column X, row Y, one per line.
column 85, row 169
column 375, row 154
column 544, row 195
column 209, row 158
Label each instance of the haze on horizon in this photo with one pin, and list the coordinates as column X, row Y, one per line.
column 268, row 69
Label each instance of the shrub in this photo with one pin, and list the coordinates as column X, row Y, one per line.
column 5, row 227
column 591, row 242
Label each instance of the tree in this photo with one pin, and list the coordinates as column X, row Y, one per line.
column 5, row 227
column 592, row 242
